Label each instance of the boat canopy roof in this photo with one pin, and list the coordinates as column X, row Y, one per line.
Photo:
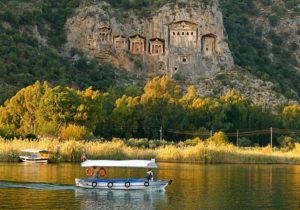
column 34, row 150
column 121, row 163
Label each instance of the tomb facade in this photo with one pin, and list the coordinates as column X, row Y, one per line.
column 208, row 44
column 137, row 44
column 183, row 34
column 105, row 35
column 156, row 46
column 120, row 42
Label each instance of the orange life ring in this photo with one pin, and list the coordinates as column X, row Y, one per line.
column 102, row 172
column 89, row 171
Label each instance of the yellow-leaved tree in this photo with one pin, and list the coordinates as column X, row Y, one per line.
column 291, row 116
column 20, row 113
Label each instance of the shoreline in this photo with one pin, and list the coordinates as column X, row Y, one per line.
column 200, row 153
column 180, row 162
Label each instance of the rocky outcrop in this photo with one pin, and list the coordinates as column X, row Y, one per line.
column 260, row 92
column 188, row 41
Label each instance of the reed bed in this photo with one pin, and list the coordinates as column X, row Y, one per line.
column 202, row 152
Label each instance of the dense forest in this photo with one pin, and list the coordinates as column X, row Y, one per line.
column 41, row 110
column 270, row 56
column 23, row 60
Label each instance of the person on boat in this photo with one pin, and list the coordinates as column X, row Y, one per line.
column 83, row 157
column 95, row 173
column 34, row 156
column 150, row 175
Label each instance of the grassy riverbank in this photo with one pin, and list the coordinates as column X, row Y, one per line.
column 200, row 152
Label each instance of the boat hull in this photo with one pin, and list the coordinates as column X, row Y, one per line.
column 33, row 160
column 122, row 184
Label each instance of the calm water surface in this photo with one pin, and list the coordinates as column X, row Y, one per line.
column 51, row 186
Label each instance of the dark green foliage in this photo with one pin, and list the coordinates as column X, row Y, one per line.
column 287, row 143
column 293, row 46
column 136, row 4
column 244, row 142
column 273, row 19
column 56, row 13
column 23, row 61
column 44, row 12
column 290, row 4
column 279, row 10
column 178, row 77
column 266, row 2
column 252, row 52
column 30, row 136
column 141, row 8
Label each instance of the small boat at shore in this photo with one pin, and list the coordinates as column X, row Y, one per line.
column 97, row 166
column 35, row 156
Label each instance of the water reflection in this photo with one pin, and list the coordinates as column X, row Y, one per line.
column 194, row 186
column 119, row 199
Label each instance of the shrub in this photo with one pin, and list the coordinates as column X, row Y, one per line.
column 259, row 31
column 279, row 10
column 290, row 4
column 30, row 136
column 6, row 132
column 266, row 2
column 219, row 138
column 273, row 19
column 293, row 46
column 244, row 142
column 157, row 143
column 73, row 132
column 178, row 77
column 192, row 142
column 140, row 143
column 287, row 143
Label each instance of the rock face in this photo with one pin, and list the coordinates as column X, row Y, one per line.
column 189, row 42
column 262, row 93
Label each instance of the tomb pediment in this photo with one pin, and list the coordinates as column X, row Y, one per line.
column 156, row 41
column 119, row 37
column 183, row 26
column 137, row 38
column 105, row 30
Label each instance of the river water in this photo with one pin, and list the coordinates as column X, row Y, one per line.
column 195, row 186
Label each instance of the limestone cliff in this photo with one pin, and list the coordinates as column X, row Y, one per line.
column 188, row 41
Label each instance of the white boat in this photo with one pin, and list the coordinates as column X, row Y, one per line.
column 120, row 184
column 35, row 156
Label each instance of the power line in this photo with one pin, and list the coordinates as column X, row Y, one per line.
column 240, row 134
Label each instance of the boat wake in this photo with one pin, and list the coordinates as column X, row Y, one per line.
column 35, row 185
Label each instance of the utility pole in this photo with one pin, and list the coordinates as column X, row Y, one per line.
column 271, row 134
column 237, row 137
column 160, row 133
column 211, row 133
column 34, row 128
